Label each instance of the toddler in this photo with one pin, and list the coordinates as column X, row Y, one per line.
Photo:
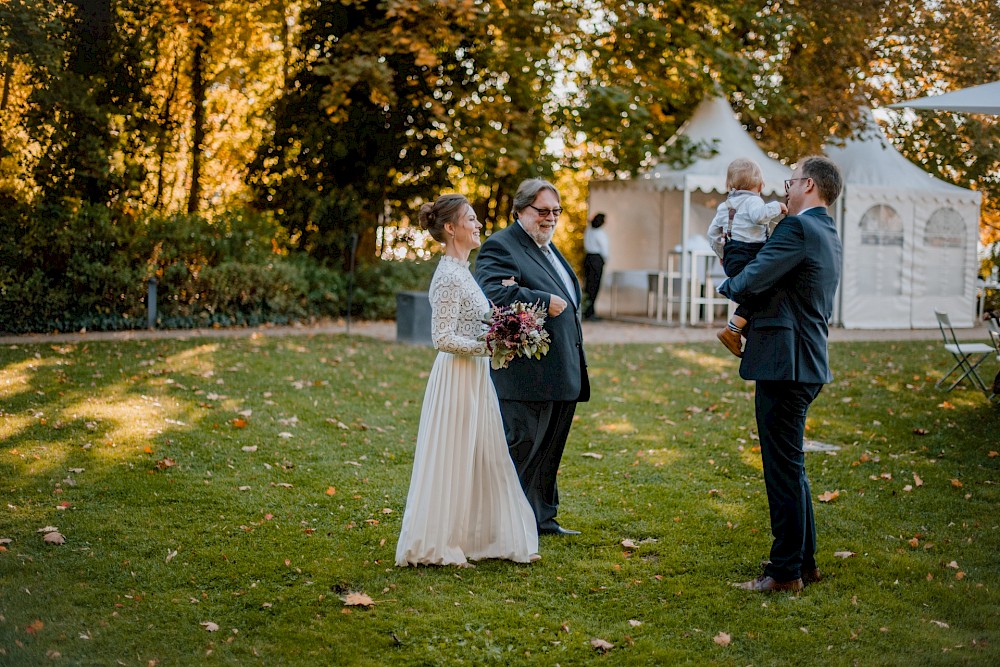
column 738, row 232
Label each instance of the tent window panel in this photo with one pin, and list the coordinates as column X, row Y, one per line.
column 944, row 242
column 881, row 253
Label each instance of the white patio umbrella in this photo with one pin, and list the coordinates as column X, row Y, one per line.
column 977, row 99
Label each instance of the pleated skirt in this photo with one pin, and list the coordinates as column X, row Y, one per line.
column 465, row 501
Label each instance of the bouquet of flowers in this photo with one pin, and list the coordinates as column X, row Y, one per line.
column 515, row 331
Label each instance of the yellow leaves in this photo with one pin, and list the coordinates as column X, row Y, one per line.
column 828, row 496
column 238, row 423
column 957, row 483
column 356, row 599
column 331, row 491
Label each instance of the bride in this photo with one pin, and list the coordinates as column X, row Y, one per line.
column 465, row 501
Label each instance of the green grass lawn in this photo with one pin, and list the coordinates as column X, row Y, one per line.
column 254, row 484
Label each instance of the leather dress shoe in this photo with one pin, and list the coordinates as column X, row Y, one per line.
column 766, row 584
column 553, row 528
column 811, row 576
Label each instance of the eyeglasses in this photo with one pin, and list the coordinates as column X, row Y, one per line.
column 788, row 183
column 546, row 212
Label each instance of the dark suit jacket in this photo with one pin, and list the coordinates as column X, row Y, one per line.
column 796, row 275
column 561, row 375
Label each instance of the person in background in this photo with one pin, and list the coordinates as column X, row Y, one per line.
column 595, row 245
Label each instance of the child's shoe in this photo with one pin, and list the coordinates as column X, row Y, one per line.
column 731, row 340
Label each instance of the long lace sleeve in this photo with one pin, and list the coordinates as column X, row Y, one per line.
column 455, row 324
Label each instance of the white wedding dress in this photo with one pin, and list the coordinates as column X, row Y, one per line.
column 465, row 501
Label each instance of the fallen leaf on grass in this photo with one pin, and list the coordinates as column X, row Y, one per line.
column 5, row 540
column 628, row 544
column 171, row 554
column 249, row 448
column 953, row 565
column 913, row 542
column 634, row 623
column 238, row 423
column 601, row 645
column 330, row 491
column 940, row 624
column 593, row 455
column 960, row 575
column 843, row 554
column 956, row 483
column 357, row 600
column 917, row 481
column 920, row 431
column 165, row 463
column 35, row 627
column 827, row 496
column 210, row 626
column 722, row 639
column 54, row 537
column 993, row 454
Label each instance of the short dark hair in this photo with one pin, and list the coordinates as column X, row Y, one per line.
column 825, row 173
column 597, row 221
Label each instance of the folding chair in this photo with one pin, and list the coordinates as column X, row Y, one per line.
column 993, row 327
column 967, row 355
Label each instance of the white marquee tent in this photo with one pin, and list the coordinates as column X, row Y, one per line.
column 650, row 216
column 977, row 99
column 909, row 239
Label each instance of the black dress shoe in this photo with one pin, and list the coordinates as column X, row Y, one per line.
column 553, row 528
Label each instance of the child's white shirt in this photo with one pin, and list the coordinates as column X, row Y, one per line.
column 750, row 224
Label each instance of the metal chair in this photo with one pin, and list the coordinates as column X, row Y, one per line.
column 993, row 327
column 967, row 356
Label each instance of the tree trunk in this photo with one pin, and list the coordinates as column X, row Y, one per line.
column 166, row 125
column 5, row 95
column 203, row 36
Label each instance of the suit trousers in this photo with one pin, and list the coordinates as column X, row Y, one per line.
column 593, row 271
column 781, row 408
column 536, row 436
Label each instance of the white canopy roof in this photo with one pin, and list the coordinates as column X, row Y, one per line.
column 871, row 160
column 977, row 99
column 715, row 123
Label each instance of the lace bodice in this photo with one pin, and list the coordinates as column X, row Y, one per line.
column 458, row 306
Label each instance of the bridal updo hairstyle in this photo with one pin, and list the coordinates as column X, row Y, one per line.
column 447, row 208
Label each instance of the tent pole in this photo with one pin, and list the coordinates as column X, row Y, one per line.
column 685, row 260
column 838, row 317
